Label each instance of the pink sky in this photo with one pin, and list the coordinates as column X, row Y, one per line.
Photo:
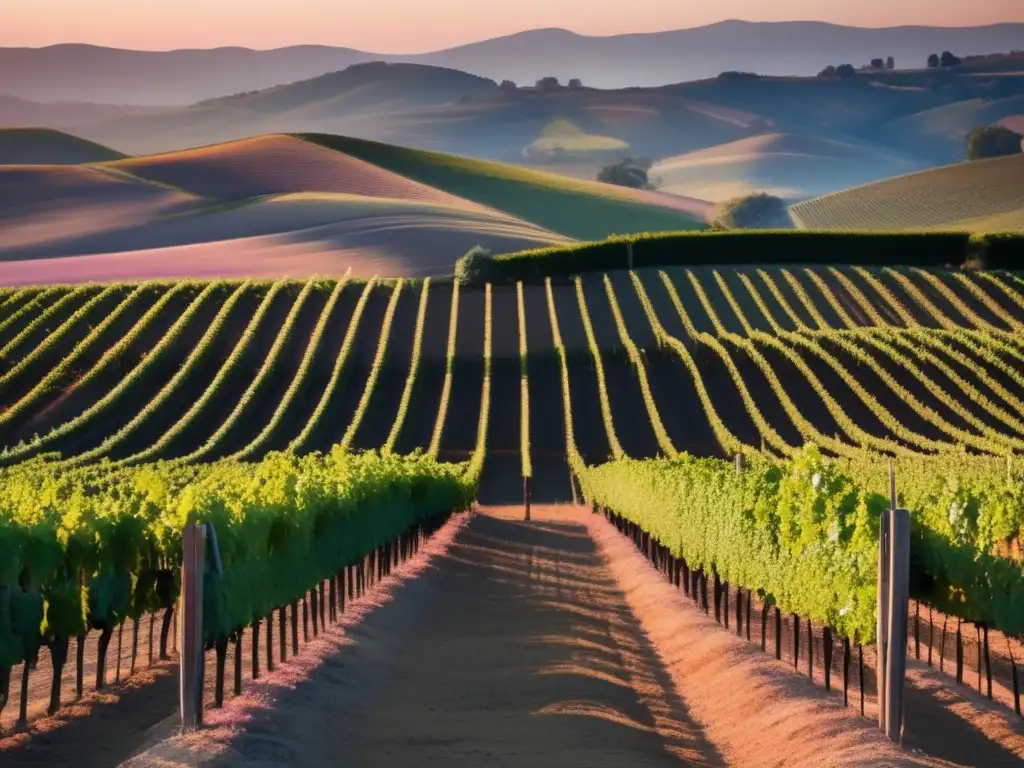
column 413, row 26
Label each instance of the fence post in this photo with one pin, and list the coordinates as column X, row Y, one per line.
column 526, row 496
column 882, row 630
column 191, row 686
column 899, row 606
column 738, row 461
column 884, row 612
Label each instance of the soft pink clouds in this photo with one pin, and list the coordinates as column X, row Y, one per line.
column 412, row 26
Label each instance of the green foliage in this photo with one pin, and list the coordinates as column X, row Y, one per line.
column 804, row 531
column 757, row 211
column 98, row 545
column 993, row 141
column 475, row 268
column 801, row 533
column 962, row 511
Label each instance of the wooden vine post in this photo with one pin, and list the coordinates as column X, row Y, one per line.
column 526, row 497
column 191, row 682
column 893, row 609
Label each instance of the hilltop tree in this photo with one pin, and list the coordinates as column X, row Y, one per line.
column 546, row 84
column 575, row 84
column 757, row 211
column 508, row 85
column 630, row 172
column 933, row 60
column 877, row 64
column 948, row 59
column 993, row 141
column 845, row 71
column 829, row 71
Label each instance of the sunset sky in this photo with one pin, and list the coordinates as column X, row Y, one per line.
column 413, row 26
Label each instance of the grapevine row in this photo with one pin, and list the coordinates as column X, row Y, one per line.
column 726, row 440
column 188, row 418
column 476, row 462
column 300, row 441
column 194, row 358
column 524, row 386
column 256, row 445
column 576, row 463
column 414, row 365
column 378, row 361
column 595, row 352
column 136, row 375
column 66, row 365
column 664, row 443
column 449, row 372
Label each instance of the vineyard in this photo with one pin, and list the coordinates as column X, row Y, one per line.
column 126, row 408
column 981, row 196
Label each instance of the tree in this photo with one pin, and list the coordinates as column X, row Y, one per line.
column 630, row 172
column 575, row 84
column 829, row 71
column 948, row 59
column 845, row 71
column 877, row 64
column 993, row 141
column 757, row 211
column 475, row 268
column 933, row 60
column 548, row 84
column 508, row 85
column 890, row 63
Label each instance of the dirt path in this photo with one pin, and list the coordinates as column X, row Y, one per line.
column 514, row 647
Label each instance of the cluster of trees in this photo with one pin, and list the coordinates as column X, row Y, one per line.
column 947, row 59
column 843, row 71
column 993, row 141
column 629, row 172
column 547, row 85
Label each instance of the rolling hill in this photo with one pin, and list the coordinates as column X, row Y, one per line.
column 581, row 209
column 943, row 130
column 293, row 205
column 791, row 166
column 983, row 195
column 45, row 146
column 75, row 72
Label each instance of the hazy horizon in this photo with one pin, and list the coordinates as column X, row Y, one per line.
column 260, row 24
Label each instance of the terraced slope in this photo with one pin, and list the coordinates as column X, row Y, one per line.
column 979, row 195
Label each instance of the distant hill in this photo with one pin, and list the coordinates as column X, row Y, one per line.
column 943, row 130
column 44, row 146
column 788, row 165
column 75, row 72
column 984, row 195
